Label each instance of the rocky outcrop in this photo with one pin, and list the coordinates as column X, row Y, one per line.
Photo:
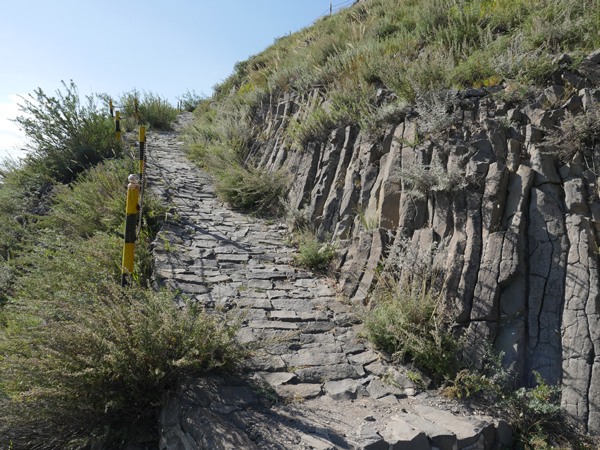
column 522, row 269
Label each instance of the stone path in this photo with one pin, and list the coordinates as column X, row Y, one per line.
column 333, row 390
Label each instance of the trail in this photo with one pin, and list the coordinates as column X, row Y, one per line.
column 334, row 391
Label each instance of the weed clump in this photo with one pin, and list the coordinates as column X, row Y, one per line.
column 534, row 413
column 407, row 317
column 311, row 252
column 154, row 111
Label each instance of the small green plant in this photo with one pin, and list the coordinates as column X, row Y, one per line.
column 421, row 180
column 312, row 253
column 436, row 111
column 296, row 219
column 153, row 110
column 534, row 413
column 513, row 93
column 369, row 222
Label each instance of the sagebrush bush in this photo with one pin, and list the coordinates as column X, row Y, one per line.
column 576, row 134
column 249, row 188
column 534, row 413
column 65, row 135
column 422, row 180
column 96, row 201
column 407, row 317
column 153, row 110
column 83, row 364
column 190, row 100
column 311, row 252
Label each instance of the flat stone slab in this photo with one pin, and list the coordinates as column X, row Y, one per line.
column 467, row 433
column 260, row 284
column 378, row 389
column 268, row 274
column 321, row 374
column 317, row 443
column 439, row 436
column 273, row 324
column 269, row 363
column 211, row 430
column 276, row 378
column 285, row 315
column 401, row 436
column 314, row 359
column 363, row 358
column 348, row 389
column 298, row 391
column 290, row 304
column 224, row 257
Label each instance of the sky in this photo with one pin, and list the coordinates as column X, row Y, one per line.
column 112, row 47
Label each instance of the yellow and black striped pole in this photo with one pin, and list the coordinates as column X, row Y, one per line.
column 330, row 8
column 118, row 126
column 135, row 104
column 133, row 191
column 142, row 149
column 110, row 105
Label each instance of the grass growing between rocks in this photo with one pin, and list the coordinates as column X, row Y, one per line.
column 311, row 252
column 406, row 317
column 533, row 413
column 221, row 152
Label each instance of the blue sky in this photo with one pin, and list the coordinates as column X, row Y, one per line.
column 112, row 47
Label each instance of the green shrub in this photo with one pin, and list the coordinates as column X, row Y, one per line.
column 312, row 253
column 407, row 317
column 157, row 111
column 65, row 136
column 153, row 110
column 249, row 188
column 103, row 365
column 422, row 180
column 190, row 100
column 534, row 413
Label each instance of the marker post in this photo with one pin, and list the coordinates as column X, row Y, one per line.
column 133, row 191
column 118, row 126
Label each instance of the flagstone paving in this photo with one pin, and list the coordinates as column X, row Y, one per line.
column 317, row 384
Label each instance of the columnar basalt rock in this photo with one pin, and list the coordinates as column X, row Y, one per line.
column 517, row 273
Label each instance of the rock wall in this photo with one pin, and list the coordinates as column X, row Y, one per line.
column 522, row 267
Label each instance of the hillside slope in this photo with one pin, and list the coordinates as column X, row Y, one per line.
column 454, row 122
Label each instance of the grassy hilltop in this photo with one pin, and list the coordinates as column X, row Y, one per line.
column 410, row 47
